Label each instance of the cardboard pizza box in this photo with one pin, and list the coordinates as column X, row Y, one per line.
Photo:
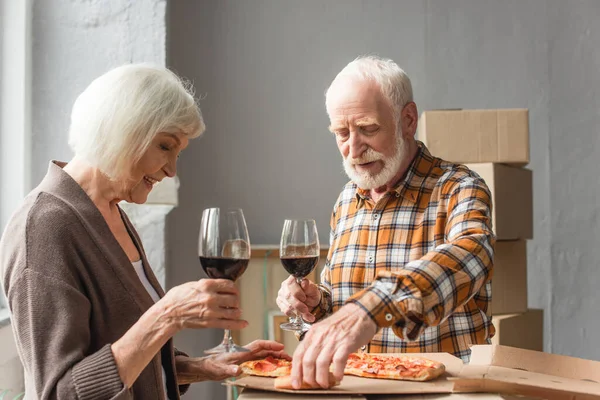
column 499, row 371
column 508, row 370
column 477, row 136
column 352, row 385
column 251, row 394
column 451, row 396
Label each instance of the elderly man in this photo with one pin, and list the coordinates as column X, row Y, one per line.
column 411, row 253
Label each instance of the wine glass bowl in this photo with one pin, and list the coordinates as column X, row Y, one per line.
column 299, row 254
column 224, row 253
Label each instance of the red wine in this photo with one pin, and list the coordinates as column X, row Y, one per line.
column 224, row 268
column 299, row 266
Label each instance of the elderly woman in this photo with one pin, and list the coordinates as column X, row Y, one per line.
column 89, row 317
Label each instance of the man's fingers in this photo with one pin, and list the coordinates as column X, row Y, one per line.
column 297, row 371
column 309, row 362
column 296, row 291
column 340, row 358
column 286, row 308
column 308, row 317
column 298, row 305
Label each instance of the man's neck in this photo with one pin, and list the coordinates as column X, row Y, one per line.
column 378, row 193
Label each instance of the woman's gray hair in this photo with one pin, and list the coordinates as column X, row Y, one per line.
column 118, row 115
column 392, row 80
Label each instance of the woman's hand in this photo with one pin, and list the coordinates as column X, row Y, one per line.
column 207, row 303
column 223, row 366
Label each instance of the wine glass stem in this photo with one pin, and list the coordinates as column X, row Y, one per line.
column 227, row 339
column 299, row 318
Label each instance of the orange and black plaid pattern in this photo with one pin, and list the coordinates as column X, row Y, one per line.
column 419, row 261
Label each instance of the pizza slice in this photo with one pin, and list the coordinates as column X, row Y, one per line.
column 399, row 367
column 269, row 367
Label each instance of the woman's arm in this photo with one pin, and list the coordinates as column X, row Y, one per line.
column 202, row 304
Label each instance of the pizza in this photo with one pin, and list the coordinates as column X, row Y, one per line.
column 391, row 366
column 400, row 367
column 270, row 367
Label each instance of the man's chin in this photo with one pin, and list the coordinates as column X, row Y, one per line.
column 364, row 183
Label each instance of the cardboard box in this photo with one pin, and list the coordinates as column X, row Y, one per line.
column 509, row 283
column 525, row 331
column 493, row 369
column 508, row 370
column 451, row 396
column 477, row 136
column 512, row 199
column 249, row 394
column 367, row 386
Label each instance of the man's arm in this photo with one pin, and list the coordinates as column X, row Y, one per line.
column 426, row 291
column 423, row 293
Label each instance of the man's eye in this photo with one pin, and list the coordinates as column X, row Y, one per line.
column 165, row 148
column 341, row 134
column 370, row 128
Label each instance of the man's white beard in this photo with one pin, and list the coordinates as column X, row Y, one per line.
column 391, row 165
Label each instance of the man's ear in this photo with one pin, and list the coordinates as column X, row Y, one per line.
column 409, row 119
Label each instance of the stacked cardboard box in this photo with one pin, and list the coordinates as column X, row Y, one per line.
column 495, row 144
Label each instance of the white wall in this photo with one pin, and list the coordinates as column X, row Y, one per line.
column 73, row 43
column 15, row 25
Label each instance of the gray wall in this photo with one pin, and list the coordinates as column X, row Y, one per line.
column 574, row 146
column 263, row 67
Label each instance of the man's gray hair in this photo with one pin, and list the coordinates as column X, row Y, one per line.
column 392, row 80
column 118, row 115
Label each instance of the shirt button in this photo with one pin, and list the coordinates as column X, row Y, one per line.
column 388, row 317
column 363, row 348
column 375, row 217
column 370, row 258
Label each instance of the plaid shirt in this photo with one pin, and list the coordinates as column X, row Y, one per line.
column 419, row 262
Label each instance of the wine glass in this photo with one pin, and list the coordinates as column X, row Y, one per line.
column 224, row 250
column 299, row 253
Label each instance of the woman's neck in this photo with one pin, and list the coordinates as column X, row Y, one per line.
column 101, row 190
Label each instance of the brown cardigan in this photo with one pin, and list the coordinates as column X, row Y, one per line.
column 72, row 292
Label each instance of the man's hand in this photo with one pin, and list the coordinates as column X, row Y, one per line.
column 301, row 298
column 331, row 341
column 223, row 366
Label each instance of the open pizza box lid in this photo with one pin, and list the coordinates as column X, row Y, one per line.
column 493, row 369
column 503, row 369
